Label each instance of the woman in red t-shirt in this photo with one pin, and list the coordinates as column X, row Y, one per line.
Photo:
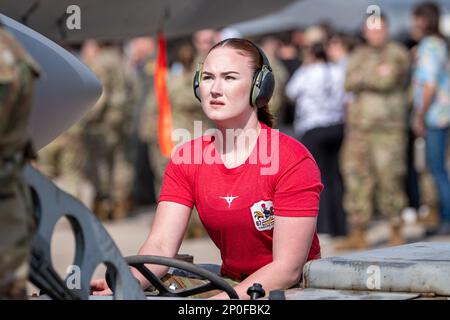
column 256, row 190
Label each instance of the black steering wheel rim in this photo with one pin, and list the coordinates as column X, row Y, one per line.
column 139, row 262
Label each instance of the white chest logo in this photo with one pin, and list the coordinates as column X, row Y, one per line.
column 229, row 199
column 262, row 214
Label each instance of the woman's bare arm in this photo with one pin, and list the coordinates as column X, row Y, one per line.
column 165, row 236
column 164, row 239
column 292, row 237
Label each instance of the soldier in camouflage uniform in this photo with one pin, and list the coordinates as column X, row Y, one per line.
column 148, row 132
column 64, row 160
column 185, row 107
column 17, row 72
column 185, row 110
column 374, row 145
column 141, row 55
column 106, row 130
column 270, row 45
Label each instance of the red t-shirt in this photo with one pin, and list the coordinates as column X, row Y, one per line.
column 237, row 206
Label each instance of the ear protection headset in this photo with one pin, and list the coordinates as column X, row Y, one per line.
column 262, row 85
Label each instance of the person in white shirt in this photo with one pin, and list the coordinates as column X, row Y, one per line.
column 317, row 88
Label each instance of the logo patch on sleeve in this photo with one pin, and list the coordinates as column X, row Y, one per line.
column 262, row 214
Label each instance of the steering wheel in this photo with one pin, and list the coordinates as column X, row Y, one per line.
column 139, row 262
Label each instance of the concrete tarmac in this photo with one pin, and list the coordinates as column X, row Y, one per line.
column 130, row 233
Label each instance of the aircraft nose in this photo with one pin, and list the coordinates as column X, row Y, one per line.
column 65, row 91
column 62, row 97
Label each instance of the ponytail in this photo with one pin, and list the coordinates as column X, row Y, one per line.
column 265, row 116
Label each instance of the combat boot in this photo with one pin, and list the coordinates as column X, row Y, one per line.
column 356, row 240
column 198, row 232
column 396, row 237
column 121, row 210
column 195, row 231
column 428, row 216
column 102, row 209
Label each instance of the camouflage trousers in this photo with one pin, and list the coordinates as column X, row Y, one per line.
column 158, row 165
column 108, row 167
column 64, row 160
column 16, row 227
column 373, row 167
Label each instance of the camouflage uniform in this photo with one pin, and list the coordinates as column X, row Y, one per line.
column 278, row 98
column 185, row 107
column 149, row 133
column 64, row 160
column 185, row 110
column 106, row 130
column 143, row 187
column 375, row 141
column 17, row 72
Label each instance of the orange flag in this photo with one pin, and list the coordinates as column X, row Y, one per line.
column 162, row 97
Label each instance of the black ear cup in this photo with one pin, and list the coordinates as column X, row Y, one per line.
column 263, row 83
column 262, row 88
